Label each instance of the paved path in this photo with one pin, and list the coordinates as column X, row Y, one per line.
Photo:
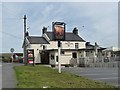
column 108, row 75
column 8, row 75
column 0, row 75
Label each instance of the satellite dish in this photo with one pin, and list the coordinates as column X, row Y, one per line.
column 12, row 50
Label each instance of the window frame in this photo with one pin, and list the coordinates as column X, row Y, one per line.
column 76, row 45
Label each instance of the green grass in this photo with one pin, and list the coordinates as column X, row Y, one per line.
column 40, row 76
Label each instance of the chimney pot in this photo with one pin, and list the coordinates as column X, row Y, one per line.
column 44, row 30
column 27, row 33
column 87, row 43
column 75, row 31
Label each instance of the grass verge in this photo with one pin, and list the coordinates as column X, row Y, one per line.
column 41, row 76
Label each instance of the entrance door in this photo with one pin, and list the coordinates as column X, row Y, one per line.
column 74, row 55
column 44, row 58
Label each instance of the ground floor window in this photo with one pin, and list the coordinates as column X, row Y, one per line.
column 74, row 55
column 56, row 58
column 62, row 52
column 52, row 57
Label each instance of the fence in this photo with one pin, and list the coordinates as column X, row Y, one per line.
column 109, row 65
column 95, row 62
column 98, row 62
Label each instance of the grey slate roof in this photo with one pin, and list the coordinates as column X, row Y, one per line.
column 91, row 47
column 37, row 40
column 68, row 37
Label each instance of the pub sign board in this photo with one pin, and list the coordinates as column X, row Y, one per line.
column 30, row 56
column 58, row 31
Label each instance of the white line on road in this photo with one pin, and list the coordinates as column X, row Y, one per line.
column 107, row 78
column 97, row 74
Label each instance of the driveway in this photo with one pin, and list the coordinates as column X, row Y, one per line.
column 8, row 75
column 108, row 75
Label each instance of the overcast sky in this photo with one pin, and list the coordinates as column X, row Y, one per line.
column 96, row 21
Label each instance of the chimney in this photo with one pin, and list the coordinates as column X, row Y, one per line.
column 44, row 30
column 75, row 31
column 27, row 33
column 87, row 43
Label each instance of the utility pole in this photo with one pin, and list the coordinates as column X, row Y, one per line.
column 25, row 51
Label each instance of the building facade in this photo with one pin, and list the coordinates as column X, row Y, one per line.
column 74, row 49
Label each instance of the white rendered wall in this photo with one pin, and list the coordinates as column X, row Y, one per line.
column 65, row 45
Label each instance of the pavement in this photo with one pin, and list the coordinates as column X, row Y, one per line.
column 8, row 75
column 0, row 75
column 107, row 75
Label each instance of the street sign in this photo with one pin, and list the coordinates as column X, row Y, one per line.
column 12, row 50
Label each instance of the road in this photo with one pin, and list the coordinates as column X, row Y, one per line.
column 8, row 75
column 107, row 75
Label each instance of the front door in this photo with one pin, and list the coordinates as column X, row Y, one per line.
column 44, row 58
column 74, row 55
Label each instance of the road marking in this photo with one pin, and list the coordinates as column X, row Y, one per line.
column 96, row 74
column 107, row 78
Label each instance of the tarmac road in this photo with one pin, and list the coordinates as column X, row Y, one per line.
column 8, row 75
column 107, row 75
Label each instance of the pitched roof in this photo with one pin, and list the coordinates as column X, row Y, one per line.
column 91, row 47
column 68, row 37
column 37, row 40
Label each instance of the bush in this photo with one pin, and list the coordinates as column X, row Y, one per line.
column 8, row 59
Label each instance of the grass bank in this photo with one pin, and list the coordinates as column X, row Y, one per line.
column 41, row 76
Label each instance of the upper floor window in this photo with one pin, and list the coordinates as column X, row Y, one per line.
column 76, row 45
column 68, row 44
column 44, row 47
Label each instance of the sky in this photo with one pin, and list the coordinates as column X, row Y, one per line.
column 96, row 21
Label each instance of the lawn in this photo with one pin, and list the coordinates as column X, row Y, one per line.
column 41, row 76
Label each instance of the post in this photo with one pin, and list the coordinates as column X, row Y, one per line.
column 59, row 35
column 25, row 52
column 12, row 50
column 12, row 57
column 59, row 63
column 96, row 52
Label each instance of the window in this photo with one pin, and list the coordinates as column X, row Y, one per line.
column 76, row 45
column 56, row 58
column 52, row 57
column 87, row 53
column 44, row 47
column 62, row 52
column 74, row 55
